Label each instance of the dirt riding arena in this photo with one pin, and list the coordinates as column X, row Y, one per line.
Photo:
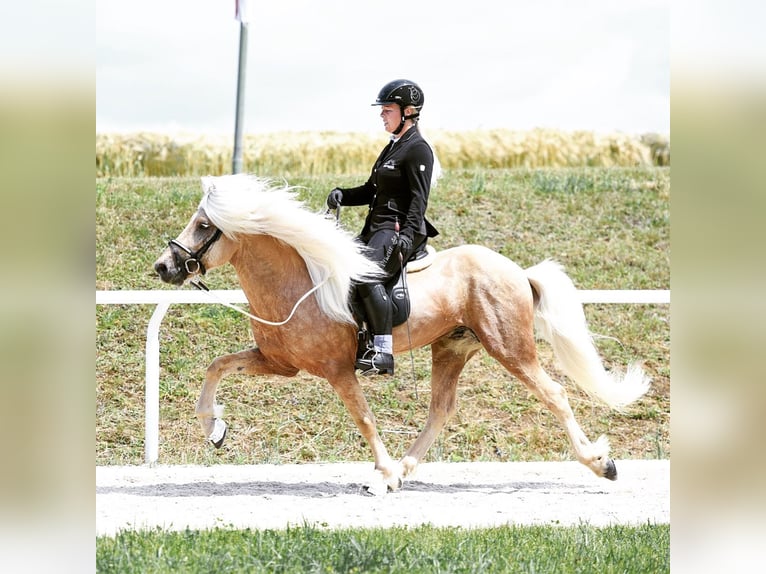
column 333, row 495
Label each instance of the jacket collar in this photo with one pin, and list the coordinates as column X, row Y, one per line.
column 407, row 135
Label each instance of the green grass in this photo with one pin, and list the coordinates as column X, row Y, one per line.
column 425, row 549
column 608, row 226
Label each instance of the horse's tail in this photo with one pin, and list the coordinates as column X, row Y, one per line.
column 560, row 320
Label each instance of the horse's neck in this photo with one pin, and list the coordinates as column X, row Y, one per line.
column 270, row 272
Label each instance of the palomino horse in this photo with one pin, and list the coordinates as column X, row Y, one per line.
column 296, row 269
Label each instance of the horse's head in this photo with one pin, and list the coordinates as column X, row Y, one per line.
column 199, row 247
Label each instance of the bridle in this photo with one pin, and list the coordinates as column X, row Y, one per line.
column 193, row 264
column 195, row 267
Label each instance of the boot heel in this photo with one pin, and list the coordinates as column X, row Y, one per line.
column 375, row 363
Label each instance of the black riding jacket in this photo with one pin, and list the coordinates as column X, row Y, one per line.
column 398, row 189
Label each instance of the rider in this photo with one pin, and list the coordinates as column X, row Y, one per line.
column 397, row 195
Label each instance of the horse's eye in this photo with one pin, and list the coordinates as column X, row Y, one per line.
column 204, row 225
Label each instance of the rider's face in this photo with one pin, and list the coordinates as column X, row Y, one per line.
column 392, row 116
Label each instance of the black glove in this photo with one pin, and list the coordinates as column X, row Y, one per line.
column 405, row 245
column 335, row 198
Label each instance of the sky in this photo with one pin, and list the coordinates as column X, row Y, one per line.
column 171, row 65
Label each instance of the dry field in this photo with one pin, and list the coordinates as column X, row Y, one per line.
column 320, row 153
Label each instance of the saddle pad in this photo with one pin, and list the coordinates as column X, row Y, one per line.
column 423, row 262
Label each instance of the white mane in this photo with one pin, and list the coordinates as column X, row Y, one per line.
column 251, row 205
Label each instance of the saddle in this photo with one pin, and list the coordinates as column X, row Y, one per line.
column 398, row 294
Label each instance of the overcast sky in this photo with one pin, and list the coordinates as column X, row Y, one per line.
column 317, row 65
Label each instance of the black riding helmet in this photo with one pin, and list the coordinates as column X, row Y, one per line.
column 404, row 93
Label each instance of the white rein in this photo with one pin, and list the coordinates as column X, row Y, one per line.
column 201, row 286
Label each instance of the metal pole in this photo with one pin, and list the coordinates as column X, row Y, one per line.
column 237, row 160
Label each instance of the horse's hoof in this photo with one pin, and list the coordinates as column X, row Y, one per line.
column 611, row 470
column 372, row 490
column 219, row 443
column 399, row 484
column 218, row 434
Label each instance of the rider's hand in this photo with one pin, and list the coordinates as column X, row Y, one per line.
column 405, row 245
column 335, row 198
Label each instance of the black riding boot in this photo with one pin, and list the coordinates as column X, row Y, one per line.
column 379, row 360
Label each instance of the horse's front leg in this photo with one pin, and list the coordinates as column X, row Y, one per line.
column 249, row 362
column 350, row 392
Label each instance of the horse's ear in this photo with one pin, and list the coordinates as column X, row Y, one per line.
column 207, row 183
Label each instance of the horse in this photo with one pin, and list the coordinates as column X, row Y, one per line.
column 297, row 268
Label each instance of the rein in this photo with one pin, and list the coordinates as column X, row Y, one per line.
column 194, row 267
column 202, row 287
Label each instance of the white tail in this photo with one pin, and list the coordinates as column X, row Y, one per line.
column 560, row 320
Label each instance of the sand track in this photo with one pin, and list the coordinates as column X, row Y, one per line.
column 331, row 495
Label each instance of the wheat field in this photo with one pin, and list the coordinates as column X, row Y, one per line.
column 321, row 153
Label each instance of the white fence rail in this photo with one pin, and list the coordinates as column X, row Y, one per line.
column 164, row 298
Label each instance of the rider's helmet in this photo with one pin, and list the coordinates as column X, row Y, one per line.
column 405, row 93
column 402, row 92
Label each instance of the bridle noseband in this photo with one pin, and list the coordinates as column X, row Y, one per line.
column 193, row 264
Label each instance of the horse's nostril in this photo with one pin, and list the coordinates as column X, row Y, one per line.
column 161, row 269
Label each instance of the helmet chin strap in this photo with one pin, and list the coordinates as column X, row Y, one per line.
column 414, row 116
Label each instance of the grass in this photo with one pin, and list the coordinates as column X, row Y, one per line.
column 425, row 549
column 608, row 226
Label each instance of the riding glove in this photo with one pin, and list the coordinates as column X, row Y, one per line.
column 405, row 245
column 335, row 198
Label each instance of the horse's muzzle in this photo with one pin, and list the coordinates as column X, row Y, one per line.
column 168, row 270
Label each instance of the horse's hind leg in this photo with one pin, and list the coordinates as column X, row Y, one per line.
column 449, row 356
column 513, row 345
column 593, row 455
column 249, row 362
column 553, row 395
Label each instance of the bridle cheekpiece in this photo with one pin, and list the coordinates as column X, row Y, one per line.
column 193, row 264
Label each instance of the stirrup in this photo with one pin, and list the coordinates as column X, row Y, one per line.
column 375, row 363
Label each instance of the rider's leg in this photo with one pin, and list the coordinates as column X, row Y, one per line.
column 383, row 249
column 377, row 307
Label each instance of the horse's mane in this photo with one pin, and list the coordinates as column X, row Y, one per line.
column 247, row 204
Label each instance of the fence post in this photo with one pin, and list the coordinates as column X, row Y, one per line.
column 152, row 407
